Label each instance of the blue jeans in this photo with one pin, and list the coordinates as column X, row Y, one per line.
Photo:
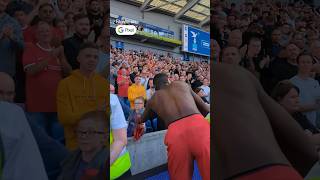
column 125, row 104
column 125, row 100
column 48, row 121
column 151, row 125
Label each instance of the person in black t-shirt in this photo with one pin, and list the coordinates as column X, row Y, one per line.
column 281, row 69
column 253, row 59
column 72, row 44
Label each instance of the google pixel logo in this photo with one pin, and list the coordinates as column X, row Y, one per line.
column 126, row 30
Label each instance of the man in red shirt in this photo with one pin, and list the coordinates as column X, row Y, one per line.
column 44, row 67
column 123, row 82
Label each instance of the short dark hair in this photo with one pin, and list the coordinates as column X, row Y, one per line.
column 254, row 37
column 79, row 16
column 97, row 116
column 160, row 80
column 93, row 1
column 42, row 22
column 44, row 5
column 139, row 98
column 56, row 21
column 282, row 89
column 88, row 45
column 68, row 13
column 302, row 54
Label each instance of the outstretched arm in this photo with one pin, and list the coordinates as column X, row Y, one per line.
column 202, row 106
column 147, row 114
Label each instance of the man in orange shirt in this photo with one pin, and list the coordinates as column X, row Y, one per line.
column 136, row 90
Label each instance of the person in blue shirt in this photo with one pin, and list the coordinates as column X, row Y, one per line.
column 11, row 40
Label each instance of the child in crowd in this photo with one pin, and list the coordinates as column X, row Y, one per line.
column 89, row 161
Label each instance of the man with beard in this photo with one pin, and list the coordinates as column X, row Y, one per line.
column 72, row 44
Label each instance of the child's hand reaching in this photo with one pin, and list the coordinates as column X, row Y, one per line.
column 138, row 131
column 139, row 128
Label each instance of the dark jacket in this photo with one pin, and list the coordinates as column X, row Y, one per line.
column 71, row 164
column 71, row 50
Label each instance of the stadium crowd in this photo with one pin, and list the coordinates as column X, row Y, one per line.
column 279, row 43
column 54, row 90
column 131, row 78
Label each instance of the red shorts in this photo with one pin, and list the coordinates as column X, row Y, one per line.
column 276, row 172
column 188, row 139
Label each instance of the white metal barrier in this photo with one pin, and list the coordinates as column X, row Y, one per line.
column 147, row 153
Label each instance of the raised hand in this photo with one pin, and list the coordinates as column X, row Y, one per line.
column 8, row 32
column 265, row 62
column 57, row 52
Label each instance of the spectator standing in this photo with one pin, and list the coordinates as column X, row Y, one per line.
column 134, row 73
column 282, row 69
column 120, row 162
column 22, row 158
column 275, row 42
column 11, row 41
column 52, row 151
column 150, row 89
column 61, row 7
column 81, row 92
column 21, row 13
column 231, row 55
column 206, row 89
column 309, row 88
column 72, row 44
column 136, row 90
column 44, row 67
column 235, row 38
column 144, row 76
column 95, row 16
column 46, row 14
column 70, row 24
column 125, row 108
column 104, row 54
column 315, row 52
column 123, row 81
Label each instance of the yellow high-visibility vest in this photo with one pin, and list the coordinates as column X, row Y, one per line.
column 208, row 117
column 121, row 165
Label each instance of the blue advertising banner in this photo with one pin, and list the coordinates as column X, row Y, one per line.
column 155, row 28
column 196, row 41
column 119, row 45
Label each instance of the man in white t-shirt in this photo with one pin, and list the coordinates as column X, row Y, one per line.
column 119, row 131
column 309, row 88
column 206, row 89
column 22, row 159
